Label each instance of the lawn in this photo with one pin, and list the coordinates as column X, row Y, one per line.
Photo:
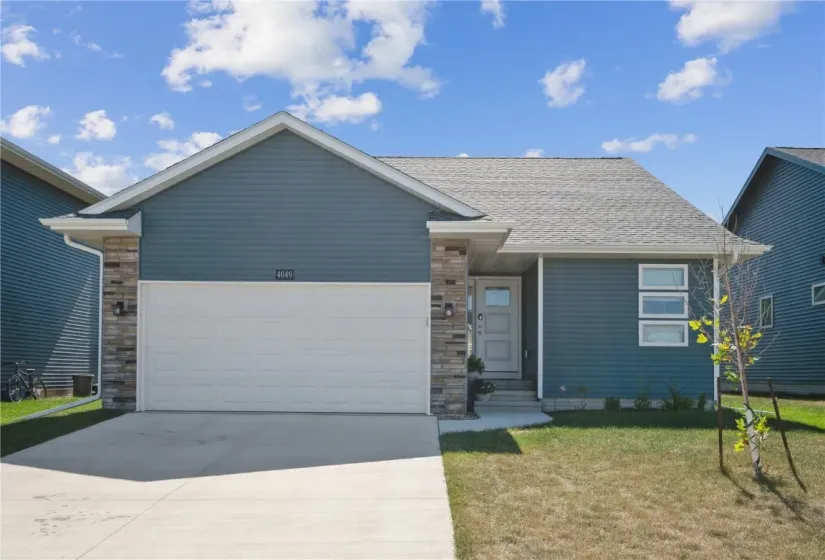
column 596, row 484
column 20, row 435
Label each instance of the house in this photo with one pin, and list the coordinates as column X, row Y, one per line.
column 284, row 270
column 49, row 291
column 783, row 204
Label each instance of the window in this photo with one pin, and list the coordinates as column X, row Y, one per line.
column 818, row 294
column 663, row 276
column 766, row 312
column 663, row 333
column 497, row 297
column 663, row 305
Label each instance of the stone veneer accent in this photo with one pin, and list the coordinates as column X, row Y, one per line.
column 120, row 281
column 448, row 348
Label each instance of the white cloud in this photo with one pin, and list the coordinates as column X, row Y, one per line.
column 338, row 109
column 175, row 150
column 92, row 46
column 54, row 139
column 534, row 153
column 250, row 103
column 314, row 46
column 205, row 83
column 561, row 86
column 495, row 9
column 670, row 141
column 463, row 154
column 26, row 122
column 728, row 24
column 107, row 177
column 163, row 120
column 17, row 45
column 96, row 125
column 688, row 84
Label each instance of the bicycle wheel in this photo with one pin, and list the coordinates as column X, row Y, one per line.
column 38, row 389
column 14, row 389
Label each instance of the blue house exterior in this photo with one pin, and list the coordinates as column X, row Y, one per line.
column 49, row 292
column 283, row 270
column 783, row 204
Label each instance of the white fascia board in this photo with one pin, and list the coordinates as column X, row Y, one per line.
column 259, row 132
column 95, row 227
column 461, row 227
column 753, row 250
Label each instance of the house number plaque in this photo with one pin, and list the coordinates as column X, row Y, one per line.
column 284, row 274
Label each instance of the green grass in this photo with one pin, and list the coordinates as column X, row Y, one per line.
column 10, row 412
column 597, row 484
column 803, row 411
column 20, row 435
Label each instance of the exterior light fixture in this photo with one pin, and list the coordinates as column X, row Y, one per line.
column 119, row 308
column 449, row 309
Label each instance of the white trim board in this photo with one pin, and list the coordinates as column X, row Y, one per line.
column 665, row 251
column 258, row 133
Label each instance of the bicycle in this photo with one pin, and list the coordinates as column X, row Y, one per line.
column 24, row 383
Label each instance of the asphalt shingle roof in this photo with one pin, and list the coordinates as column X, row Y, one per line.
column 568, row 201
column 814, row 155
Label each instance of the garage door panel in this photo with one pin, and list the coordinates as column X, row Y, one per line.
column 285, row 347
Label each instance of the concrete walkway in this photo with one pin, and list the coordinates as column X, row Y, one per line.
column 494, row 421
column 220, row 486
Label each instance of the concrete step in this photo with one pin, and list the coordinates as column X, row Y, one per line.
column 512, row 384
column 507, row 406
column 514, row 396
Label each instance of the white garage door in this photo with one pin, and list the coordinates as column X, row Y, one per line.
column 284, row 347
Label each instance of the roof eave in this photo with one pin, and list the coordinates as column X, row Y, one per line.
column 661, row 251
column 33, row 165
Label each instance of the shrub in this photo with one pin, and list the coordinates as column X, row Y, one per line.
column 612, row 404
column 676, row 400
column 485, row 387
column 702, row 401
column 475, row 364
column 642, row 402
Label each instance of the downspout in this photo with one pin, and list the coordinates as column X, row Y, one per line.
column 93, row 398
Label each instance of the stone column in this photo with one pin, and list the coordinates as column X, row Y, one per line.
column 120, row 281
column 448, row 278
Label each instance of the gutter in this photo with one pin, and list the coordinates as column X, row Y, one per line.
column 99, row 394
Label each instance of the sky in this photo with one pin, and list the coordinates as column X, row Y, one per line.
column 113, row 92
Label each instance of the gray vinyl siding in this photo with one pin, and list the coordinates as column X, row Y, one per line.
column 48, row 290
column 285, row 204
column 785, row 208
column 591, row 334
column 529, row 316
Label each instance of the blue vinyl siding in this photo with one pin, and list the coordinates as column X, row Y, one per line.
column 48, row 290
column 591, row 334
column 785, row 207
column 285, row 204
column 529, row 320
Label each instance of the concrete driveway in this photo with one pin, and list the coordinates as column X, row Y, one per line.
column 159, row 485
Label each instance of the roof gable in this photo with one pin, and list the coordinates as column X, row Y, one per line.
column 809, row 158
column 22, row 159
column 259, row 132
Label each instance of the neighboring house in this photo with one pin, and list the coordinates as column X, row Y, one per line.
column 783, row 205
column 284, row 270
column 49, row 292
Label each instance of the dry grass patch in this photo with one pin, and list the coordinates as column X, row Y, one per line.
column 631, row 485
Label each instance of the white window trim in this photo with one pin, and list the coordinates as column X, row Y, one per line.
column 684, row 325
column 642, row 267
column 813, row 288
column 643, row 315
column 763, row 298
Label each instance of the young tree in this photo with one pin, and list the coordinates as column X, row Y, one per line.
column 732, row 331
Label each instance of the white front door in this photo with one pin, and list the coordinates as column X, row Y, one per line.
column 284, row 347
column 497, row 319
